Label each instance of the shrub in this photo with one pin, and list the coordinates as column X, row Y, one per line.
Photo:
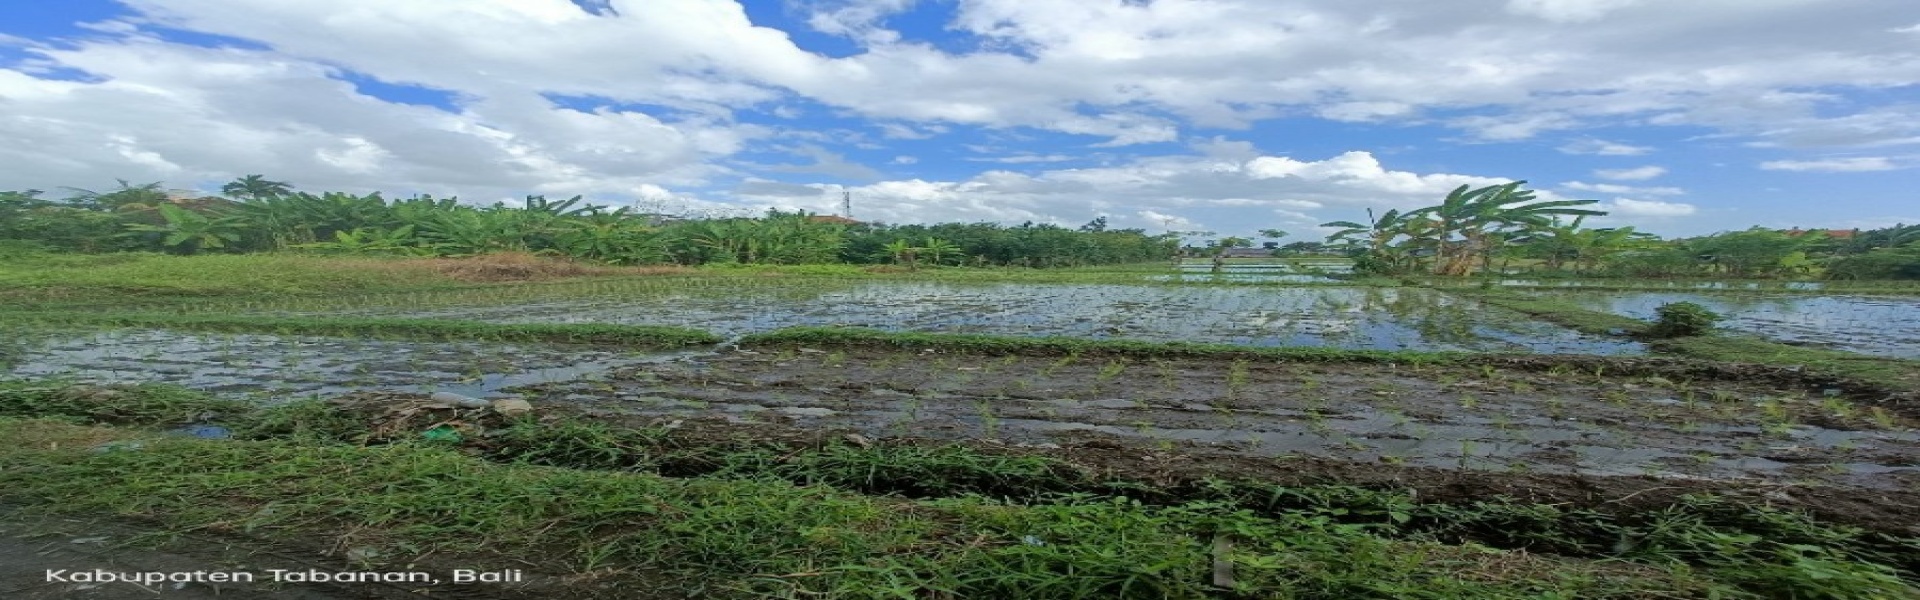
column 1683, row 319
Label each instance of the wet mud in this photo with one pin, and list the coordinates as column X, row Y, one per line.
column 1491, row 420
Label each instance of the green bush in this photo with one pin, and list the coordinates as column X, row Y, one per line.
column 1888, row 263
column 1683, row 319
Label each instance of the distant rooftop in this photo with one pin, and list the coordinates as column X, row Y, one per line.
column 1838, row 234
column 834, row 219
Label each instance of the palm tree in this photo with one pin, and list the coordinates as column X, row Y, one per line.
column 256, row 187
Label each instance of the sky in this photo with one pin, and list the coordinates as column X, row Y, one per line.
column 1230, row 116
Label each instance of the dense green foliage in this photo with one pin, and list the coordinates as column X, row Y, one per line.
column 1471, row 229
column 264, row 215
column 1882, row 263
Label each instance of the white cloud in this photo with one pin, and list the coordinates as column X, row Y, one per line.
column 1168, row 222
column 1110, row 69
column 1365, row 111
column 1211, row 193
column 1609, row 188
column 1568, row 11
column 1024, row 158
column 1633, row 174
column 1630, row 208
column 201, row 116
column 1833, row 165
column 859, row 19
column 1603, row 148
column 1514, row 127
column 827, row 163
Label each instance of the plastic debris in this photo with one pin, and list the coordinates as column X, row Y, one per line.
column 443, row 433
column 508, row 407
column 120, row 447
column 209, row 432
column 459, row 400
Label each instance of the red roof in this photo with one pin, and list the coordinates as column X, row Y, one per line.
column 1838, row 234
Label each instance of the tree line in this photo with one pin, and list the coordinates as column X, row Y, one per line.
column 255, row 214
column 1494, row 228
column 1498, row 228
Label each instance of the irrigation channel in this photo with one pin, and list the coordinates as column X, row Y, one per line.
column 1524, row 413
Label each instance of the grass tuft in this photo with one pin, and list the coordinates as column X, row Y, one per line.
column 143, row 404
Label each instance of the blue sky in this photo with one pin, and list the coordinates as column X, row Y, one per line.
column 1219, row 115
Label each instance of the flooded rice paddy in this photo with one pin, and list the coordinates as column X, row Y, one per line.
column 1337, row 317
column 1875, row 325
column 1482, row 419
column 282, row 367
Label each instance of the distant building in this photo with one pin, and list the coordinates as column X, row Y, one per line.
column 1248, row 253
column 834, row 219
column 1838, row 234
column 658, row 219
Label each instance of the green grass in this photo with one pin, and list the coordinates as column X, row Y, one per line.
column 97, row 277
column 762, row 514
column 646, row 336
column 144, row 404
column 762, row 537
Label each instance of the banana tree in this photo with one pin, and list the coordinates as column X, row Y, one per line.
column 938, row 251
column 613, row 237
column 187, row 232
column 370, row 240
column 1375, row 240
column 903, row 253
column 1469, row 220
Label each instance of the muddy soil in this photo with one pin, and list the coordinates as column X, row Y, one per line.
column 1348, row 421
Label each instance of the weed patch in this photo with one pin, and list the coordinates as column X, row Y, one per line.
column 144, row 404
column 739, row 537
